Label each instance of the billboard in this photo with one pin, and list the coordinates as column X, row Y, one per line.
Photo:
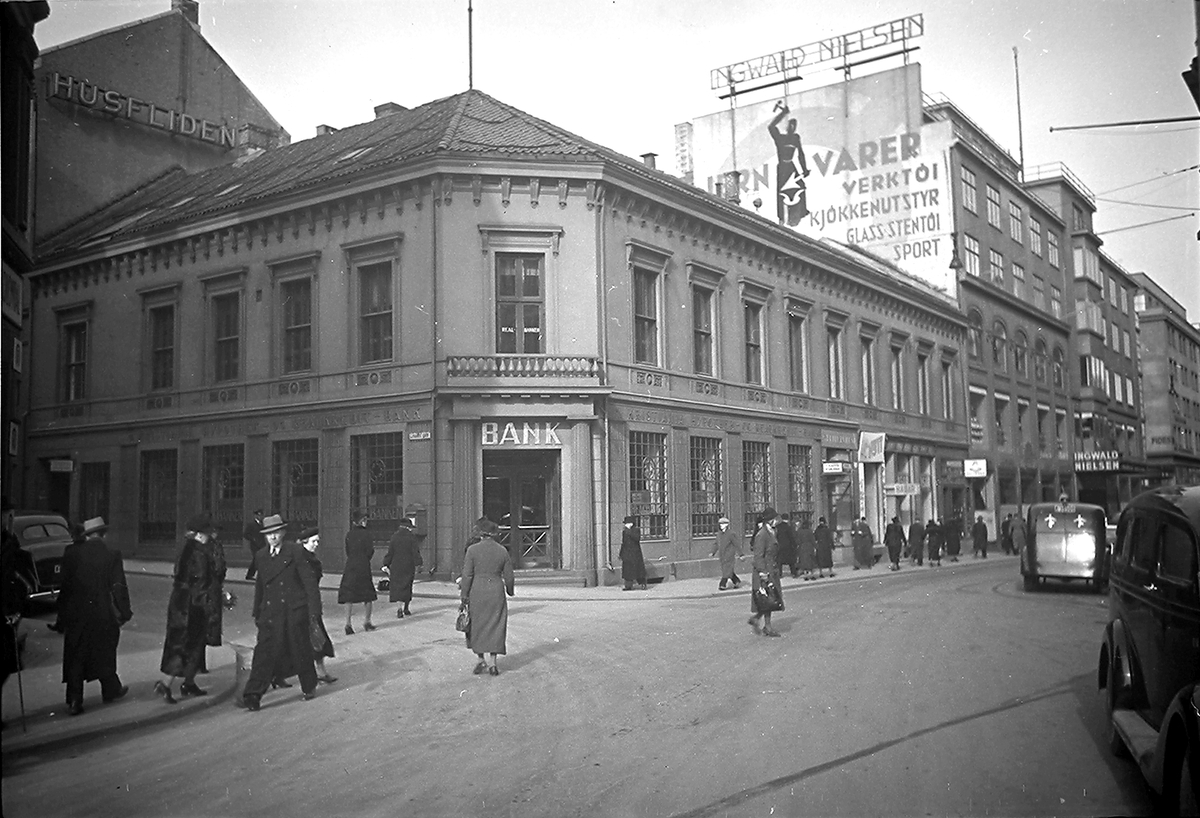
column 853, row 162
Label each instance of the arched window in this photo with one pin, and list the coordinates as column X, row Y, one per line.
column 1039, row 360
column 1021, row 354
column 1000, row 345
column 1060, row 367
column 975, row 334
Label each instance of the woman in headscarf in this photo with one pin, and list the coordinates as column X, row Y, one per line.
column 487, row 578
column 765, row 548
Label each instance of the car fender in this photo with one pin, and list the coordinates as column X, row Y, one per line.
column 1120, row 644
column 1180, row 716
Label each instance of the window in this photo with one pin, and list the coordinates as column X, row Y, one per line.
column 971, row 248
column 1124, row 301
column 996, row 267
column 1126, row 347
column 753, row 320
column 969, row 189
column 295, row 481
column 975, row 335
column 948, row 390
column 923, row 383
column 157, row 496
column 1000, row 408
column 296, row 302
column 1035, row 237
column 377, row 480
column 993, row 206
column 898, row 378
column 161, row 332
column 375, row 323
column 1000, row 345
column 645, row 317
column 227, row 336
column 1052, row 243
column 1177, row 555
column 1039, row 360
column 1078, row 221
column 1056, row 302
column 1015, row 230
column 756, row 478
column 648, row 482
column 1060, row 431
column 1021, row 354
column 702, row 330
column 798, row 351
column 1018, row 274
column 74, row 356
column 800, row 493
column 94, row 490
column 868, row 369
column 520, row 304
column 704, row 467
column 1022, row 414
column 833, row 354
column 223, row 485
column 1039, row 291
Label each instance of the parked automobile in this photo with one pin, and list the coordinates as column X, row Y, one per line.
column 45, row 536
column 1150, row 657
column 1066, row 541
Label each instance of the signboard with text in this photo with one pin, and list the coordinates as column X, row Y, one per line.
column 1098, row 461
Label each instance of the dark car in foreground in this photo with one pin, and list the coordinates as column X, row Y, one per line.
column 44, row 536
column 1150, row 657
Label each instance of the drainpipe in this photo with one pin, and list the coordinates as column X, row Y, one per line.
column 604, row 547
column 432, row 513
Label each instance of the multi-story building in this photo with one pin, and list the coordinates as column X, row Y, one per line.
column 18, row 103
column 1109, row 461
column 1169, row 349
column 1011, row 262
column 460, row 310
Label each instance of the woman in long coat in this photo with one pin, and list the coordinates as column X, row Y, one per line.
column 195, row 601
column 357, row 585
column 728, row 547
column 765, row 548
column 401, row 563
column 806, row 550
column 824, row 538
column 893, row 540
column 952, row 532
column 309, row 539
column 786, row 536
column 916, row 542
column 633, row 564
column 487, row 577
column 933, row 542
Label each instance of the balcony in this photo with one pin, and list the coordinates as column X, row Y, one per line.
column 531, row 371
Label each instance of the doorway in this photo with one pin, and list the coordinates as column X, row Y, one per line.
column 522, row 495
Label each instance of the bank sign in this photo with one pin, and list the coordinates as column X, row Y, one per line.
column 852, row 162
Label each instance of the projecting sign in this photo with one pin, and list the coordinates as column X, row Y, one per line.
column 1098, row 461
column 901, row 489
column 835, row 467
column 975, row 468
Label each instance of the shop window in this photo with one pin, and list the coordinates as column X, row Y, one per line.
column 375, row 312
column 648, row 482
column 702, row 330
column 1060, row 431
column 295, row 480
column 158, row 498
column 707, row 501
column 1000, row 410
column 756, row 480
column 800, row 486
column 520, row 304
column 377, row 480
column 223, row 484
column 753, row 322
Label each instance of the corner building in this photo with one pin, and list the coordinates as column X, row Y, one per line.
column 460, row 310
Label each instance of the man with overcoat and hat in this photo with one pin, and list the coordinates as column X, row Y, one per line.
column 633, row 564
column 285, row 592
column 93, row 604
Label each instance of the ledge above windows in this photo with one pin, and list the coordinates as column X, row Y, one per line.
column 704, row 275
column 750, row 290
column 524, row 237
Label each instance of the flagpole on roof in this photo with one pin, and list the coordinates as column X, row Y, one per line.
column 470, row 48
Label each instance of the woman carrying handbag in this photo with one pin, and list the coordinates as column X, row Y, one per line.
column 487, row 578
column 766, row 595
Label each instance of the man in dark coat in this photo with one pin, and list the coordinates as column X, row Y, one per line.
column 633, row 564
column 252, row 534
column 933, row 542
column 806, row 549
column 401, row 563
column 284, row 593
column 916, row 541
column 786, row 535
column 824, row 538
column 862, row 540
column 893, row 540
column 952, row 532
column 979, row 536
column 1006, row 540
column 728, row 547
column 93, row 604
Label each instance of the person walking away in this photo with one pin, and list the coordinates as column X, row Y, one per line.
column 806, row 549
column 862, row 541
column 195, row 593
column 728, row 547
column 1006, row 537
column 1018, row 535
column 487, row 581
column 979, row 536
column 309, row 540
column 916, row 542
column 252, row 534
column 400, row 564
column 953, row 536
column 94, row 602
column 893, row 540
column 285, row 594
column 786, row 535
column 824, row 539
column 933, row 542
column 356, row 584
column 765, row 548
column 633, row 565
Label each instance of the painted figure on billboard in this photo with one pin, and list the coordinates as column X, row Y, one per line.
column 790, row 170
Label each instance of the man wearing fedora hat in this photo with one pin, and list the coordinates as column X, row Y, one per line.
column 286, row 597
column 93, row 604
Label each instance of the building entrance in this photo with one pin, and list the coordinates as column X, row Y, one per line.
column 522, row 494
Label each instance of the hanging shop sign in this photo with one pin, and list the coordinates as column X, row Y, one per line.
column 835, row 467
column 975, row 468
column 520, row 434
column 870, row 446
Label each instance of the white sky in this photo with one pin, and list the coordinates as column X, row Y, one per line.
column 624, row 72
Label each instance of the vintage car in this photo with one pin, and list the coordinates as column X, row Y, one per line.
column 1150, row 656
column 44, row 536
column 1066, row 541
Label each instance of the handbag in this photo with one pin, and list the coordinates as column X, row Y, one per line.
column 462, row 623
column 384, row 584
column 316, row 634
column 768, row 598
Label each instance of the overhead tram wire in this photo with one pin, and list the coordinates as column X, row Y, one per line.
column 1145, row 224
column 1151, row 179
column 1146, row 204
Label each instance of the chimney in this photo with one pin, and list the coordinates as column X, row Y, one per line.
column 190, row 9
column 648, row 160
column 389, row 108
column 254, row 139
column 733, row 187
column 326, row 130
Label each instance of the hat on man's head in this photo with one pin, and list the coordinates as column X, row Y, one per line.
column 406, row 522
column 722, row 519
column 629, row 518
column 273, row 523
column 308, row 532
column 768, row 513
column 96, row 525
column 200, row 521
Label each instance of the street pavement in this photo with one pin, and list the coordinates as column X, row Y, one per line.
column 46, row 726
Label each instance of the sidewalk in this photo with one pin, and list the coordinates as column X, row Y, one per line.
column 50, row 729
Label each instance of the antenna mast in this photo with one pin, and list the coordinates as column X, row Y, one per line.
column 470, row 48
column 1020, row 129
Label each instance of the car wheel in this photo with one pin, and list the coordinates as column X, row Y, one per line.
column 1118, row 698
column 1179, row 787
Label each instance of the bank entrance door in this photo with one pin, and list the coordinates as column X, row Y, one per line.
column 521, row 494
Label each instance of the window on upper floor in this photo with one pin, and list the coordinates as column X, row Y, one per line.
column 897, row 371
column 971, row 253
column 160, row 333
column 798, row 350
column 996, row 267
column 74, row 355
column 703, row 341
column 376, row 318
column 645, row 316
column 1039, row 291
column 975, row 334
column 948, row 389
column 1018, row 274
column 295, row 301
column 1052, row 254
column 226, row 322
column 752, row 313
column 1056, row 301
column 1021, row 354
column 1000, row 345
column 993, row 206
column 1078, row 221
column 1035, row 237
column 833, row 359
column 969, row 189
column 923, row 383
column 1015, row 229
column 1039, row 360
column 520, row 303
column 867, row 350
